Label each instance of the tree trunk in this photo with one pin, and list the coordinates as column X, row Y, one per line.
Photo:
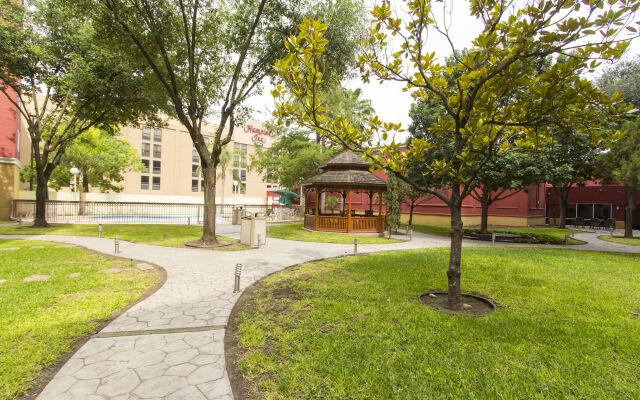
column 563, row 198
column 455, row 255
column 81, row 196
column 209, row 221
column 628, row 217
column 411, row 207
column 484, row 217
column 40, row 220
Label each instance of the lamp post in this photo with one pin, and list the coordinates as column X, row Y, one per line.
column 75, row 171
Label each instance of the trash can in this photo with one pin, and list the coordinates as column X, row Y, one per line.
column 253, row 230
column 236, row 215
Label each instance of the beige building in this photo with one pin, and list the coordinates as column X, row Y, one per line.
column 172, row 168
column 173, row 165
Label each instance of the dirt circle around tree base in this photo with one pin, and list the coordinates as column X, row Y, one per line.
column 473, row 305
column 200, row 245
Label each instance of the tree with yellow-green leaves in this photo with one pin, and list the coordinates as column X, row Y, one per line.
column 499, row 101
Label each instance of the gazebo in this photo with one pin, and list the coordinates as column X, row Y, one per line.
column 348, row 176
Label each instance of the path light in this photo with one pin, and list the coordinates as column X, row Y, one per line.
column 258, row 240
column 410, row 234
column 116, row 243
column 493, row 238
column 99, row 231
column 355, row 245
column 566, row 240
column 188, row 220
column 236, row 285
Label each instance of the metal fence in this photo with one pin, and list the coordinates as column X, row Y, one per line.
column 143, row 213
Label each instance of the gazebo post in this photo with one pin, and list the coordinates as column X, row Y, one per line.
column 315, row 220
column 349, row 215
column 371, row 202
column 381, row 228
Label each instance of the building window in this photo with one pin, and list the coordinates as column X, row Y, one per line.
column 157, row 135
column 157, row 150
column 146, row 165
column 195, row 157
column 202, row 186
column 144, row 182
column 194, row 185
column 156, row 167
column 194, row 171
column 146, row 133
column 146, row 149
column 156, row 183
column 236, row 161
column 243, row 175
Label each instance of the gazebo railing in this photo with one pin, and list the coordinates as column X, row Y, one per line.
column 337, row 223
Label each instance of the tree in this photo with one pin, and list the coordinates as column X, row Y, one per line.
column 394, row 197
column 415, row 196
column 622, row 164
column 62, row 82
column 503, row 177
column 331, row 202
column 208, row 58
column 624, row 78
column 499, row 93
column 569, row 160
column 293, row 158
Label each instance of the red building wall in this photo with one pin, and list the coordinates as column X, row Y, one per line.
column 9, row 125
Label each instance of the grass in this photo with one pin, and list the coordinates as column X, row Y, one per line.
column 4, row 221
column 162, row 235
column 622, row 240
column 534, row 235
column 295, row 232
column 567, row 327
column 40, row 321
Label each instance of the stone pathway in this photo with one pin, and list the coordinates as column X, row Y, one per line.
column 170, row 346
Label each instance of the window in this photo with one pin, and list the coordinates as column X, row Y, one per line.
column 146, row 166
column 236, row 161
column 243, row 175
column 194, row 171
column 194, row 185
column 157, row 150
column 157, row 135
column 195, row 157
column 146, row 133
column 202, row 186
column 144, row 182
column 156, row 183
column 146, row 148
column 156, row 167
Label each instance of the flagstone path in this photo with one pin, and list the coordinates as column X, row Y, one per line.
column 170, row 346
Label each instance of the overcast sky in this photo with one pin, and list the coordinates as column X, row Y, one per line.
column 389, row 101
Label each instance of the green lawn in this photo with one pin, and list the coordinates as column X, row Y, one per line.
column 622, row 240
column 295, row 232
column 535, row 235
column 162, row 235
column 40, row 321
column 567, row 327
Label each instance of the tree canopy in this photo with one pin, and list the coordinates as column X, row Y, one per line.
column 500, row 101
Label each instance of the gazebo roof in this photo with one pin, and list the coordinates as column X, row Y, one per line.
column 346, row 170
column 345, row 160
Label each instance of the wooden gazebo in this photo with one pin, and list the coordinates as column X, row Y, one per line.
column 347, row 175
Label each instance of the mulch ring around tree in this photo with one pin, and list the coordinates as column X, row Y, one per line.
column 500, row 237
column 472, row 305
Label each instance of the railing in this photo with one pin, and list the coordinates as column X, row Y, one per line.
column 143, row 213
column 310, row 221
column 367, row 224
column 337, row 224
column 346, row 224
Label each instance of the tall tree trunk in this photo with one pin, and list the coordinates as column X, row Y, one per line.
column 484, row 217
column 455, row 255
column 628, row 217
column 40, row 220
column 411, row 207
column 563, row 199
column 209, row 221
column 81, row 196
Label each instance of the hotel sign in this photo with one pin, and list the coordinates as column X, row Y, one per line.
column 258, row 137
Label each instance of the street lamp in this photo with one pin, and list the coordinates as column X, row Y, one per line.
column 235, row 191
column 75, row 171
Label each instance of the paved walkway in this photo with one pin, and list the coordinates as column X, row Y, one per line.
column 170, row 346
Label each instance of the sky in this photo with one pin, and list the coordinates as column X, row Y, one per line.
column 389, row 101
